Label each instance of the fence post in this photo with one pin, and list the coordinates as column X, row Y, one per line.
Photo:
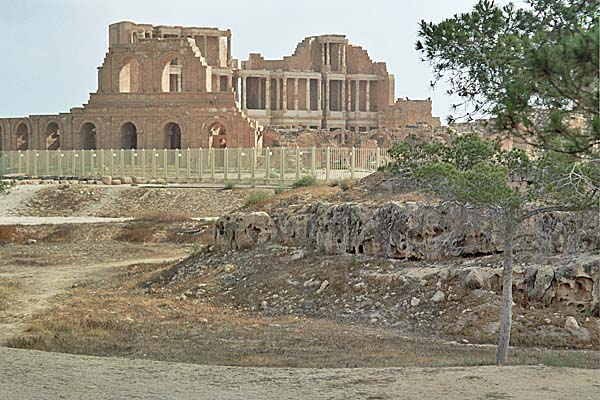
column 327, row 163
column 122, row 162
column 35, row 162
column 212, row 164
column 353, row 163
column 239, row 161
column 27, row 161
column 189, row 163
column 177, row 157
column 101, row 164
column 133, row 158
column 267, row 164
column 82, row 162
column 154, row 160
column 225, row 164
column 60, row 157
column 282, row 151
column 313, row 161
column 143, row 162
column 92, row 163
column 74, row 158
column 113, row 155
column 200, row 166
column 297, row 163
column 47, row 163
column 253, row 173
column 166, row 164
column 378, row 158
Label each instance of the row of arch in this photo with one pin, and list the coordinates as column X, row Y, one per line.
column 128, row 133
column 130, row 75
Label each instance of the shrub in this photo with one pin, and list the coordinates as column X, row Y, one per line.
column 257, row 197
column 305, row 181
column 343, row 184
column 279, row 190
column 228, row 186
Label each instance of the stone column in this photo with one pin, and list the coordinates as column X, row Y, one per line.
column 319, row 96
column 327, row 93
column 357, row 95
column 343, row 99
column 229, row 83
column 268, row 93
column 340, row 57
column 284, row 94
column 277, row 94
column 368, row 97
column 348, row 95
column 244, row 89
column 343, row 55
column 328, row 60
column 296, row 94
column 307, row 94
column 259, row 94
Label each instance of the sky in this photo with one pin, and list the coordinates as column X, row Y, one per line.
column 50, row 49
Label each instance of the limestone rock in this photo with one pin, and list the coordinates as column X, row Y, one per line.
column 438, row 297
column 571, row 324
column 323, row 286
column 415, row 301
column 106, row 180
column 238, row 231
column 475, row 280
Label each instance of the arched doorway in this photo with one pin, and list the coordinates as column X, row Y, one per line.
column 88, row 136
column 172, row 136
column 217, row 136
column 171, row 76
column 22, row 136
column 128, row 136
column 129, row 76
column 52, row 136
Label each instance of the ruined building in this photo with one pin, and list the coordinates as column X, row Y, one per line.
column 179, row 87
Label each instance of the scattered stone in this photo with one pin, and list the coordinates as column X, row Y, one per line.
column 323, row 286
column 31, row 241
column 438, row 297
column 414, row 302
column 475, row 280
column 571, row 324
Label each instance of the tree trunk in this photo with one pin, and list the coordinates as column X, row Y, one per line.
column 507, row 272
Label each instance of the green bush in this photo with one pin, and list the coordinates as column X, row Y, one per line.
column 228, row 186
column 305, row 181
column 280, row 189
column 257, row 197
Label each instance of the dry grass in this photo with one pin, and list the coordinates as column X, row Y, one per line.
column 114, row 317
column 9, row 234
column 163, row 217
column 7, row 291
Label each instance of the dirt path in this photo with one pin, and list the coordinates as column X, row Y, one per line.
column 18, row 220
column 38, row 285
column 16, row 198
column 27, row 374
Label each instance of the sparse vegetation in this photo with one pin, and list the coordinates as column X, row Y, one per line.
column 257, row 196
column 8, row 234
column 343, row 184
column 229, row 185
column 306, row 181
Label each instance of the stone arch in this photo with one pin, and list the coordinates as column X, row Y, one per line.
column 129, row 75
column 172, row 77
column 129, row 136
column 22, row 135
column 172, row 134
column 217, row 135
column 52, row 136
column 89, row 137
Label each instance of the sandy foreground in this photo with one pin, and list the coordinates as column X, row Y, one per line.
column 27, row 374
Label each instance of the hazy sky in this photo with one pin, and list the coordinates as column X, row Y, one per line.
column 51, row 48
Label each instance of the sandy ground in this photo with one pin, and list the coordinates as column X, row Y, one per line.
column 17, row 220
column 27, row 374
column 39, row 284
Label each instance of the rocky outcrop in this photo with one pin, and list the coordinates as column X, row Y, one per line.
column 402, row 231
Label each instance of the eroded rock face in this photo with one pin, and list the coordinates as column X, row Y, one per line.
column 402, row 230
column 237, row 231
